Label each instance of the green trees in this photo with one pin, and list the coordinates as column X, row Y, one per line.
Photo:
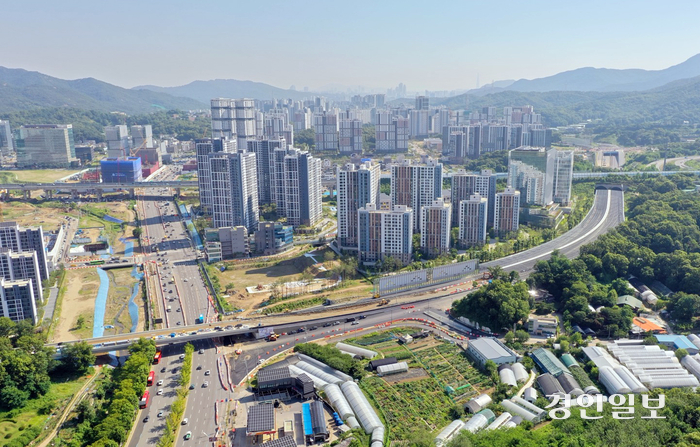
column 498, row 305
column 305, row 137
column 77, row 357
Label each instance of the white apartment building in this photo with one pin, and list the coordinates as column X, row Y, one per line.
column 435, row 227
column 233, row 118
column 385, row 233
column 507, row 212
column 472, row 221
column 416, row 185
column 356, row 187
column 234, row 188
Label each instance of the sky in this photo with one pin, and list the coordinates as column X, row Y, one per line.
column 427, row 45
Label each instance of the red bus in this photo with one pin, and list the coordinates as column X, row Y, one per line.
column 156, row 358
column 151, row 378
column 143, row 403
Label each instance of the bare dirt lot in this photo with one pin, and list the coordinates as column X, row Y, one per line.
column 49, row 215
column 81, row 287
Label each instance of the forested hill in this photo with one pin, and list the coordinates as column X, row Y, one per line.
column 671, row 104
column 23, row 90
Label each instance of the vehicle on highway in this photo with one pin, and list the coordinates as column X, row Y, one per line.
column 337, row 323
column 160, row 382
column 207, row 372
column 239, row 351
column 185, row 421
column 362, row 317
column 179, row 323
column 160, row 414
column 163, row 369
column 205, row 385
column 354, row 323
column 328, row 324
column 188, row 436
column 199, row 367
column 146, row 419
column 191, row 387
column 313, row 328
column 160, row 392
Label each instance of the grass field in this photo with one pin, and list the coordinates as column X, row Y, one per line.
column 50, row 215
column 61, row 392
column 121, row 284
column 35, row 176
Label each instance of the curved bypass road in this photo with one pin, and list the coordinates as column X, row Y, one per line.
column 607, row 212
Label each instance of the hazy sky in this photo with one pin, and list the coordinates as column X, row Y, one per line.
column 436, row 45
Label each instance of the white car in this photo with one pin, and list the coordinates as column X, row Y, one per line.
column 160, row 392
column 182, row 356
column 205, row 384
column 160, row 382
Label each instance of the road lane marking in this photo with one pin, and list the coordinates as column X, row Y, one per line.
column 605, row 216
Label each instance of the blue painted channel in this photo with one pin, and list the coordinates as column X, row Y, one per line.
column 128, row 248
column 133, row 307
column 98, row 327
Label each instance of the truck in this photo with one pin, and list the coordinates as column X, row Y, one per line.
column 383, row 303
column 200, row 320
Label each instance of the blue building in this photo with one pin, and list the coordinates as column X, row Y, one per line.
column 121, row 170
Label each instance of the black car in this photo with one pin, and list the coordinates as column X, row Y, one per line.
column 146, row 419
column 362, row 317
column 329, row 324
column 313, row 328
column 163, row 369
column 301, row 329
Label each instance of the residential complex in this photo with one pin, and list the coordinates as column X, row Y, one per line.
column 234, row 119
column 563, row 175
column 264, row 150
column 391, row 132
column 350, row 136
column 46, row 146
column 472, row 220
column 415, row 185
column 464, row 185
column 326, row 131
column 203, row 149
column 302, row 188
column 234, row 189
column 385, row 233
column 356, row 187
column 17, row 300
column 507, row 212
column 435, row 228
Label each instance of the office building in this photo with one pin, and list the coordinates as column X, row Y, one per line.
column 531, row 171
column 22, row 265
column 233, row 119
column 121, row 170
column 273, row 237
column 6, row 144
column 118, row 141
column 416, row 185
column 233, row 241
column 422, row 103
column 356, row 187
column 19, row 239
column 563, row 175
column 391, row 132
column 264, row 150
column 203, row 148
column 384, row 234
column 420, row 124
column 326, row 131
column 142, row 136
column 350, row 136
column 302, row 188
column 234, row 190
column 472, row 220
column 46, row 146
column 85, row 153
column 506, row 212
column 464, row 185
column 435, row 226
column 17, row 301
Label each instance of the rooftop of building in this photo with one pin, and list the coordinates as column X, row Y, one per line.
column 490, row 347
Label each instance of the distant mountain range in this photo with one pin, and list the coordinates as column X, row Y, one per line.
column 591, row 79
column 204, row 91
column 22, row 90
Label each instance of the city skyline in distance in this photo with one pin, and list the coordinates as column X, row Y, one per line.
column 427, row 47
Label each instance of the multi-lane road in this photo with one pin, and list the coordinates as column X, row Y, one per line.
column 178, row 259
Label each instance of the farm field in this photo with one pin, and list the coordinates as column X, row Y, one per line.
column 410, row 400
